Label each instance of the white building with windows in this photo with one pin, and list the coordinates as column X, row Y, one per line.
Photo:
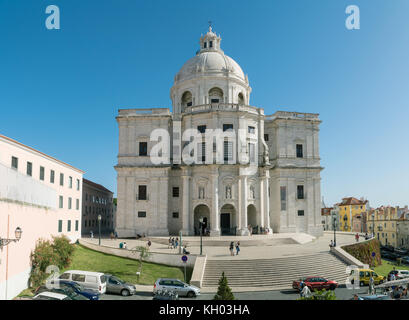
column 42, row 196
column 267, row 179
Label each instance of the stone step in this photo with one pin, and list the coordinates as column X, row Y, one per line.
column 278, row 272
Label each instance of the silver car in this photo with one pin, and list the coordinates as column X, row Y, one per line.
column 175, row 285
column 116, row 285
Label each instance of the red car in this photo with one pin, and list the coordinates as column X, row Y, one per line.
column 316, row 283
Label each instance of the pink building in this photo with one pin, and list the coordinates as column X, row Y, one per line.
column 42, row 196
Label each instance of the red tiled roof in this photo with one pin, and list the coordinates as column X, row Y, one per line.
column 351, row 201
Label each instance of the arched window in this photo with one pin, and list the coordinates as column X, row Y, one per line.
column 241, row 98
column 186, row 99
column 215, row 95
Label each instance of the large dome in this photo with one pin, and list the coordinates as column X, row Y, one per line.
column 208, row 63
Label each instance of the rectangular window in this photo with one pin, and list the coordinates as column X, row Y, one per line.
column 299, row 151
column 251, row 130
column 76, row 225
column 142, row 193
column 210, row 44
column 201, row 129
column 70, row 182
column 228, row 150
column 300, row 213
column 59, row 225
column 78, row 184
column 227, row 126
column 300, row 192
column 175, row 215
column 201, row 154
column 69, row 226
column 69, row 203
column 42, row 170
column 77, row 204
column 283, row 198
column 141, row 214
column 52, row 176
column 29, row 169
column 143, row 148
column 61, row 202
column 265, row 137
column 14, row 163
column 175, row 192
column 61, row 179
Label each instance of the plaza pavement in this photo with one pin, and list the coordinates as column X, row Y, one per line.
column 252, row 247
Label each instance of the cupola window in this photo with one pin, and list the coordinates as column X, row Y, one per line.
column 210, row 44
column 215, row 95
column 205, row 45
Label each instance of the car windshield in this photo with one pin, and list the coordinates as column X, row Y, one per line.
column 117, row 279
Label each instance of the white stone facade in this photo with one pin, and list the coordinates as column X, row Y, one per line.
column 282, row 193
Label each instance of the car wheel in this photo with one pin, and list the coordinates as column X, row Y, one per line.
column 332, row 287
column 191, row 294
column 361, row 283
column 125, row 293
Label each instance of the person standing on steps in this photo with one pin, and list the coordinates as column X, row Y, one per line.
column 237, row 248
column 231, row 248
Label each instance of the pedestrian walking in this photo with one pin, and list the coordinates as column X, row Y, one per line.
column 112, row 236
column 116, row 235
column 231, row 248
column 148, row 244
column 331, row 244
column 371, row 285
column 357, row 237
column 170, row 245
column 124, row 245
column 237, row 248
column 305, row 292
column 173, row 243
column 92, row 234
column 176, row 243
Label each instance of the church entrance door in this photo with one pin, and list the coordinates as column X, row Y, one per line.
column 225, row 223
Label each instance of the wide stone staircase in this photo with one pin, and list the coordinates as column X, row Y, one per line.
column 274, row 273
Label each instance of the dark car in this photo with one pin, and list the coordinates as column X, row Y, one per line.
column 316, row 283
column 62, row 290
column 71, row 287
column 389, row 255
column 401, row 252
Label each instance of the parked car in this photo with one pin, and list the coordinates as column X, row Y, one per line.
column 77, row 288
column 65, row 290
column 365, row 275
column 88, row 279
column 388, row 248
column 380, row 296
column 399, row 274
column 388, row 255
column 401, row 252
column 47, row 295
column 177, row 286
column 316, row 283
column 405, row 260
column 116, row 285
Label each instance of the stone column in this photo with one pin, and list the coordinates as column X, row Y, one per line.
column 215, row 215
column 310, row 196
column 243, row 230
column 291, row 207
column 266, row 202
column 186, row 230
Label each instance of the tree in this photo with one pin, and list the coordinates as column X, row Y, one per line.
column 224, row 291
column 321, row 295
column 143, row 254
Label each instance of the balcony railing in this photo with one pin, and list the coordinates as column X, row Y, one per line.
column 223, row 107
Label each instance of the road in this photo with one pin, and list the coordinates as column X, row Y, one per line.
column 341, row 294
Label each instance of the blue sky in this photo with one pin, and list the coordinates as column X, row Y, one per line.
column 60, row 89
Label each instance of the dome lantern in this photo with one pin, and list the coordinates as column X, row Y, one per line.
column 210, row 41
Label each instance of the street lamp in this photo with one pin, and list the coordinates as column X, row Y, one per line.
column 201, row 234
column 373, row 225
column 99, row 226
column 17, row 234
column 334, row 227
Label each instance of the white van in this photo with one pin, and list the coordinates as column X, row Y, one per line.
column 88, row 279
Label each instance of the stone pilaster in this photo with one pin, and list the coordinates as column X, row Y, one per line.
column 243, row 230
column 187, row 228
column 215, row 215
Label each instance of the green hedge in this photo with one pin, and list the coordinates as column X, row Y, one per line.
column 363, row 252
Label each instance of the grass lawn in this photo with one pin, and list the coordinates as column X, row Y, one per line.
column 387, row 266
column 125, row 269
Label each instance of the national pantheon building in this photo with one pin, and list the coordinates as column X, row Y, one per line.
column 214, row 163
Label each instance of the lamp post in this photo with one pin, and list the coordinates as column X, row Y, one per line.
column 99, row 227
column 5, row 242
column 373, row 225
column 334, row 227
column 201, row 234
